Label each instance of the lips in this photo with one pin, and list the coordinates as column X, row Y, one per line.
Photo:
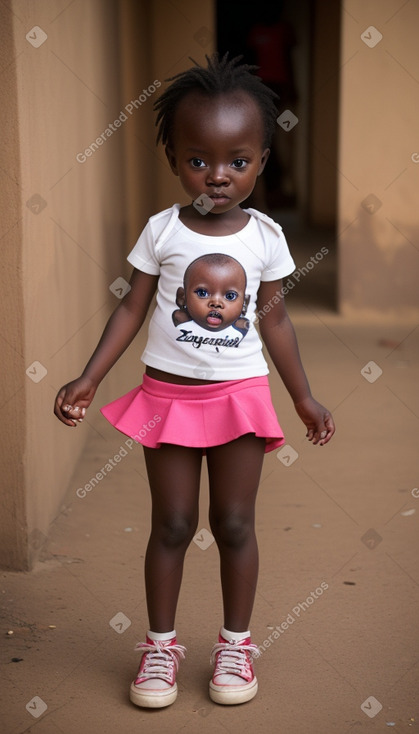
column 219, row 198
column 214, row 318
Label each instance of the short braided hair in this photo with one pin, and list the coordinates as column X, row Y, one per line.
column 219, row 77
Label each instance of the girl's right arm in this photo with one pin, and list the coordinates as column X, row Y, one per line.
column 73, row 399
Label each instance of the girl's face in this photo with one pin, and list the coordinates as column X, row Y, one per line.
column 217, row 147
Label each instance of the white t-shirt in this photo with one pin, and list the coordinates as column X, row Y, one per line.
column 203, row 323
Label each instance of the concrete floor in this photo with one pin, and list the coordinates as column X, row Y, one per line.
column 344, row 516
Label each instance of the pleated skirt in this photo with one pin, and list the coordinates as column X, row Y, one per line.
column 197, row 416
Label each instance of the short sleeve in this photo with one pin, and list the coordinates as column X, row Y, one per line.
column 279, row 262
column 143, row 256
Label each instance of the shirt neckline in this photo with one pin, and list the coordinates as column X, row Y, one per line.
column 212, row 237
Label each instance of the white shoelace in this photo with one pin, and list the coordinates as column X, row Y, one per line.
column 160, row 659
column 232, row 658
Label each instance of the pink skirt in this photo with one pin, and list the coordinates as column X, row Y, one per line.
column 196, row 415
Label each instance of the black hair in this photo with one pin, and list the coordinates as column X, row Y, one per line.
column 220, row 76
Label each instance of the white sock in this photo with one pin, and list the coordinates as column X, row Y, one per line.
column 161, row 636
column 236, row 636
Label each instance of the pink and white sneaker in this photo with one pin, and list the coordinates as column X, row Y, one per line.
column 155, row 685
column 234, row 680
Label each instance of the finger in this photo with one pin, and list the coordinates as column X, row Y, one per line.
column 310, row 434
column 329, row 423
column 62, row 411
column 81, row 413
column 59, row 399
column 62, row 417
column 329, row 429
column 320, row 435
column 329, row 435
column 75, row 411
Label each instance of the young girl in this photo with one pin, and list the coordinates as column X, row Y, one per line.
column 205, row 388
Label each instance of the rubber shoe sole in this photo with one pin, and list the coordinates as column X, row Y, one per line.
column 230, row 696
column 152, row 700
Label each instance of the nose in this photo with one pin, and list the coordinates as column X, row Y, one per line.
column 216, row 301
column 218, row 176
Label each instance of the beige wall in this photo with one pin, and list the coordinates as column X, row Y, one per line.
column 378, row 134
column 13, row 379
column 171, row 34
column 63, row 245
column 180, row 30
column 61, row 252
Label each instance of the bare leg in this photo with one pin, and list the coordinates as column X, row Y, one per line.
column 174, row 476
column 234, row 473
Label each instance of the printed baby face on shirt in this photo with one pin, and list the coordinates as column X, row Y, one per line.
column 213, row 294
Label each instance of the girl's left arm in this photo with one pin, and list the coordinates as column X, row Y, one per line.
column 279, row 337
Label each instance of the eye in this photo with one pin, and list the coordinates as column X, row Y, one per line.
column 231, row 295
column 201, row 293
column 239, row 163
column 197, row 163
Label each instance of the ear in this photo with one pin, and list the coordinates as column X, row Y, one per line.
column 264, row 158
column 245, row 305
column 180, row 298
column 172, row 160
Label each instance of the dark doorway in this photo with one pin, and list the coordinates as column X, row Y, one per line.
column 295, row 43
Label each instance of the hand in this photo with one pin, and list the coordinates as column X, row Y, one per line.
column 73, row 399
column 317, row 419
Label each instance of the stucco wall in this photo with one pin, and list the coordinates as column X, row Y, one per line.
column 63, row 247
column 13, row 379
column 180, row 31
column 73, row 223
column 378, row 178
column 71, row 210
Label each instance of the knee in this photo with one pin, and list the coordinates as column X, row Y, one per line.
column 233, row 531
column 176, row 531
